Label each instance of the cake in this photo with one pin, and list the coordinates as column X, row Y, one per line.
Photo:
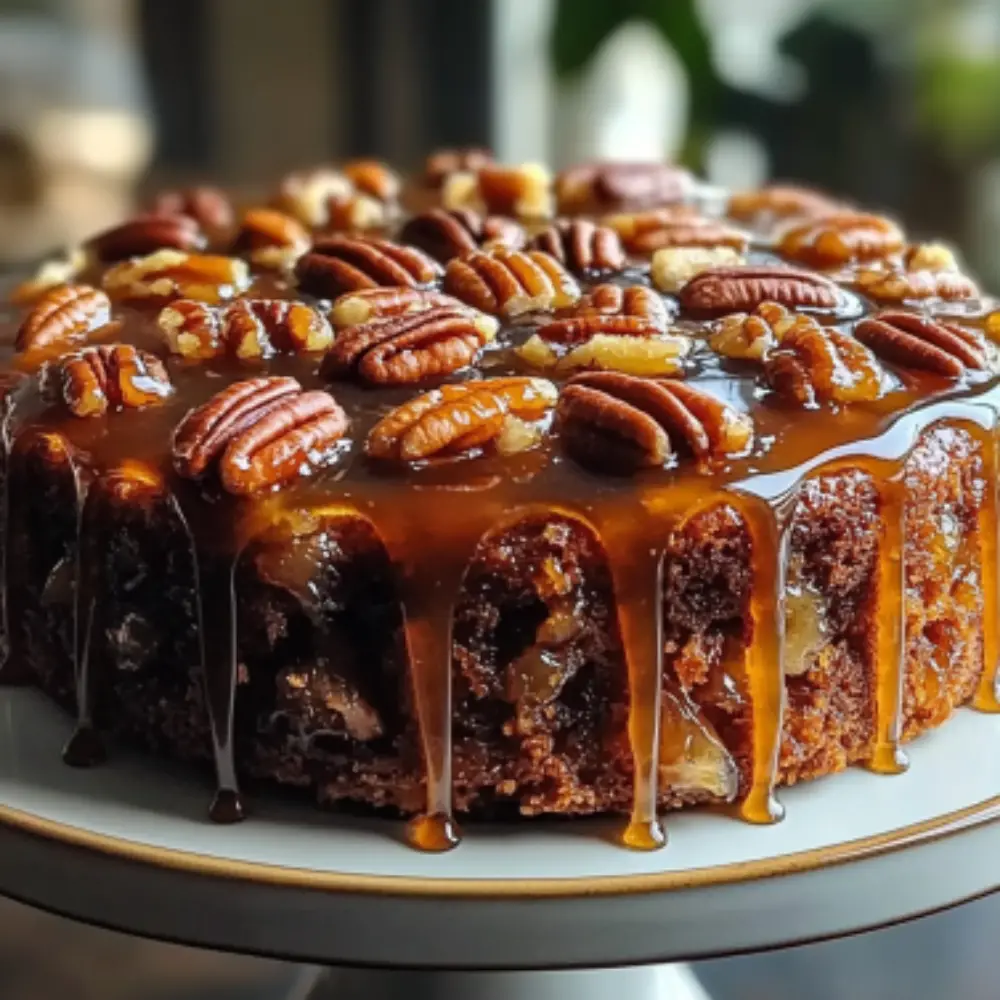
column 493, row 493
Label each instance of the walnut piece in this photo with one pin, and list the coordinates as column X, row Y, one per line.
column 169, row 274
column 674, row 267
column 523, row 191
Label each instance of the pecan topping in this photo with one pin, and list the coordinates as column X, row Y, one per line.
column 169, row 274
column 146, row 234
column 401, row 350
column 457, row 419
column 208, row 206
column 620, row 185
column 271, row 239
column 581, row 246
column 445, row 162
column 646, row 232
column 112, row 376
column 602, row 307
column 64, row 313
column 377, row 303
column 674, row 267
column 511, row 282
column 914, row 341
column 832, row 240
column 341, row 264
column 446, row 234
column 307, row 194
column 885, row 285
column 247, row 328
column 524, row 191
column 61, row 270
column 373, row 178
column 259, row 433
column 780, row 201
column 749, row 336
column 815, row 364
column 739, row 289
column 613, row 422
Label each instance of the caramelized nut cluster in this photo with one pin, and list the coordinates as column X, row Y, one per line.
column 169, row 274
column 749, row 336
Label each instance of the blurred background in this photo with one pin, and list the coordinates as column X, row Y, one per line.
column 892, row 102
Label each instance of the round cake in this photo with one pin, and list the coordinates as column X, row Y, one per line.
column 498, row 493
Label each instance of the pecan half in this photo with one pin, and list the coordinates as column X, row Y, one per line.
column 613, row 422
column 271, row 239
column 832, row 240
column 780, row 201
column 620, row 185
column 377, row 303
column 401, row 350
column 457, row 419
column 581, row 245
column 247, row 328
column 623, row 300
column 739, row 289
column 891, row 285
column 341, row 264
column 64, row 313
column 259, row 433
column 914, row 341
column 306, row 195
column 646, row 232
column 674, row 267
column 169, row 274
column 510, row 282
column 112, row 376
column 146, row 234
column 749, row 336
column 815, row 364
column 444, row 162
column 210, row 207
column 524, row 191
column 445, row 234
column 373, row 178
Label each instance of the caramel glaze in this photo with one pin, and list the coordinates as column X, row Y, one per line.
column 431, row 519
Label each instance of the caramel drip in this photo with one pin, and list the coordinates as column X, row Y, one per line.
column 890, row 629
column 763, row 658
column 635, row 554
column 987, row 698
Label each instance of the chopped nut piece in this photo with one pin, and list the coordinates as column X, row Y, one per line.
column 92, row 381
column 169, row 274
column 445, row 162
column 271, row 239
column 674, row 267
column 654, row 354
column 749, row 336
column 890, row 285
column 462, row 418
column 511, row 282
column 306, row 194
column 815, row 364
column 930, row 257
column 354, row 308
column 373, row 178
column 524, row 191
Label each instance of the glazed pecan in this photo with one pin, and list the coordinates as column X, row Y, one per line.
column 646, row 232
column 832, row 240
column 613, row 422
column 930, row 257
column 259, row 433
column 892, row 285
column 510, row 282
column 445, row 234
column 306, row 195
column 357, row 213
column 91, row 381
column 580, row 245
column 457, row 419
column 674, row 267
column 60, row 270
column 445, row 162
column 609, row 302
column 271, row 239
column 749, row 336
column 814, row 364
column 169, row 274
column 246, row 328
column 723, row 290
column 914, row 341
column 341, row 264
column 404, row 349
column 145, row 234
column 377, row 303
column 210, row 207
column 373, row 178
column 620, row 185
column 64, row 313
column 524, row 191
column 780, row 201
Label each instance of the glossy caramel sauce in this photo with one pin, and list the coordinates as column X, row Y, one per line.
column 431, row 518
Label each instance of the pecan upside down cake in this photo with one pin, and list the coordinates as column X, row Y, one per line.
column 496, row 492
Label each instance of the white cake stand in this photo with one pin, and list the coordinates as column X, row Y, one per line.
column 128, row 846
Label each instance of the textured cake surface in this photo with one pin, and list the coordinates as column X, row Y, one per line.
column 494, row 493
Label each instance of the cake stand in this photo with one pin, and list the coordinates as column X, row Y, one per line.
column 514, row 911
